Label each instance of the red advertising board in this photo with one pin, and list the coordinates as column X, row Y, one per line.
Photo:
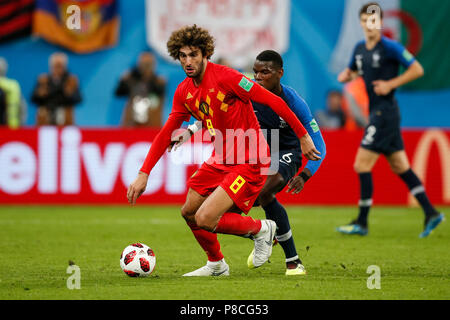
column 94, row 166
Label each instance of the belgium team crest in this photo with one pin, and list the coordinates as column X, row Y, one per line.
column 204, row 107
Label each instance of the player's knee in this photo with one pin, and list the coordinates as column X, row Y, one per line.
column 188, row 213
column 398, row 168
column 202, row 221
column 394, row 168
column 360, row 167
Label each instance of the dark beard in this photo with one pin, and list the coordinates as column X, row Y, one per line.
column 199, row 71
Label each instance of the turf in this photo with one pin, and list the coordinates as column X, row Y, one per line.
column 37, row 244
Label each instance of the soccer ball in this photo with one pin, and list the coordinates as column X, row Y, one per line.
column 137, row 260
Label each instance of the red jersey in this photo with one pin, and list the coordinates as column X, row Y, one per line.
column 222, row 103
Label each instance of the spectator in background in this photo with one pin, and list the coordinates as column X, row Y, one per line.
column 223, row 61
column 356, row 104
column 333, row 117
column 56, row 93
column 12, row 106
column 145, row 91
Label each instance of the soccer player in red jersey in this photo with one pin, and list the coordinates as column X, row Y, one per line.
column 220, row 97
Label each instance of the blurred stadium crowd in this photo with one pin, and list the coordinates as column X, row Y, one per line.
column 109, row 72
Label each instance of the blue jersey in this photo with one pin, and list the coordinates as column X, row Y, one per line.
column 380, row 63
column 288, row 140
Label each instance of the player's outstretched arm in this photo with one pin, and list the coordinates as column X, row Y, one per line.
column 159, row 145
column 246, row 89
column 263, row 96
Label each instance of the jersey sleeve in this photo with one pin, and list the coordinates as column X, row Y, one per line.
column 237, row 83
column 162, row 140
column 303, row 113
column 246, row 90
column 319, row 143
column 398, row 52
column 178, row 108
column 260, row 95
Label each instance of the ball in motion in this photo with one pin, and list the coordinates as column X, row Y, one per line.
column 137, row 260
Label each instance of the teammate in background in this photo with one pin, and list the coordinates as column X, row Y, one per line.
column 268, row 70
column 377, row 59
column 220, row 98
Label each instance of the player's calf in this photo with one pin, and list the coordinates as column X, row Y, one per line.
column 273, row 185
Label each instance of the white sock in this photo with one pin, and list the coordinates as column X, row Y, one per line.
column 215, row 264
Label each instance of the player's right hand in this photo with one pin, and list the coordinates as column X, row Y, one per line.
column 345, row 76
column 178, row 140
column 137, row 187
column 309, row 149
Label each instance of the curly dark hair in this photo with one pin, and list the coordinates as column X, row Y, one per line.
column 191, row 36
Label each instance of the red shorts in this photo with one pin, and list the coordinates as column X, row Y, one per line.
column 241, row 182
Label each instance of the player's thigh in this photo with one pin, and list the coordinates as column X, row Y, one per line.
column 193, row 201
column 288, row 161
column 201, row 184
column 212, row 209
column 274, row 184
column 398, row 161
column 365, row 160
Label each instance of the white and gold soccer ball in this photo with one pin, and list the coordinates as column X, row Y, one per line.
column 137, row 260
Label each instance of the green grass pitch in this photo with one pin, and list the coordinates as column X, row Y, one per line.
column 38, row 242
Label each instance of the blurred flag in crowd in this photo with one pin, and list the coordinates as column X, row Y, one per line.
column 423, row 29
column 82, row 26
column 15, row 19
column 242, row 29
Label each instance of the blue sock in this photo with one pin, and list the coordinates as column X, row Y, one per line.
column 276, row 212
column 365, row 201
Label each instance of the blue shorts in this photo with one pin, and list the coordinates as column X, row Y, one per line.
column 289, row 162
column 383, row 134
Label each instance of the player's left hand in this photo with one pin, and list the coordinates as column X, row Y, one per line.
column 381, row 87
column 295, row 185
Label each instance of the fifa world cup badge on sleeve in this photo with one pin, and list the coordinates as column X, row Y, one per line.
column 314, row 125
column 246, row 84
